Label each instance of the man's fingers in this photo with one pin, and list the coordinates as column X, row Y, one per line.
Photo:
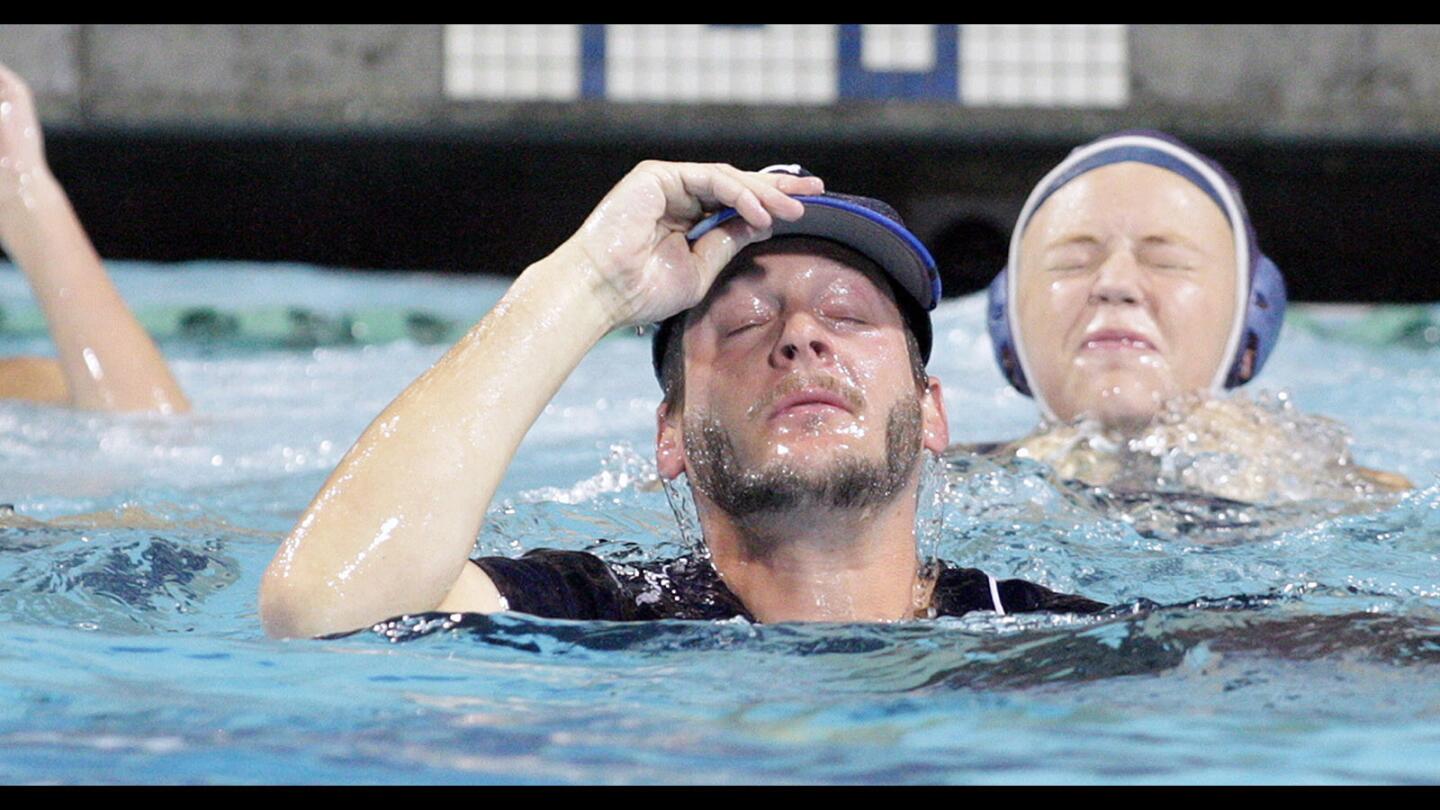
column 782, row 190
column 715, row 249
column 773, row 194
column 776, row 190
column 790, row 184
column 756, row 197
column 636, row 237
column 716, row 186
column 753, row 211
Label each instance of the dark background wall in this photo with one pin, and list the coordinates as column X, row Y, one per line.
column 336, row 145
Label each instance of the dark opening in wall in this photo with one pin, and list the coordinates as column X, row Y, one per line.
column 969, row 252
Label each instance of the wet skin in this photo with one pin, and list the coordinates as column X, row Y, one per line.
column 799, row 389
column 1126, row 294
column 389, row 532
column 798, row 360
column 106, row 361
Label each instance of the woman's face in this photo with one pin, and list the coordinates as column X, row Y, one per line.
column 1125, row 293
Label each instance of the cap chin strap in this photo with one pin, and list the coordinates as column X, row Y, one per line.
column 1043, row 191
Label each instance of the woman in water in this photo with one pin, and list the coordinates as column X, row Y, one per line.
column 106, row 359
column 1134, row 296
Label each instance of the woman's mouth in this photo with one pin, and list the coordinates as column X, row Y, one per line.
column 1116, row 340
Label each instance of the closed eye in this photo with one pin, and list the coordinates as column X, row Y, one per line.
column 1169, row 262
column 1074, row 254
column 1167, row 254
column 845, row 312
column 1073, row 260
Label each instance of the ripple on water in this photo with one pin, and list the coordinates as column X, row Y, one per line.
column 1310, row 656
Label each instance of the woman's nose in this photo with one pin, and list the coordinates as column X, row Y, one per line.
column 1119, row 280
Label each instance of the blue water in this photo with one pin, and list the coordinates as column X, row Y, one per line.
column 133, row 653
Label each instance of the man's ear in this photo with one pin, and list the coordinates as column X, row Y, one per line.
column 669, row 443
column 936, row 423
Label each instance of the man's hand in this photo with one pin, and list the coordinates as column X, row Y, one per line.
column 643, row 268
column 22, row 152
column 393, row 527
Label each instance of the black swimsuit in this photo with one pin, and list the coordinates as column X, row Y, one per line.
column 577, row 585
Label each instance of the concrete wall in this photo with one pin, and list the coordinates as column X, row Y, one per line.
column 1266, row 82
column 229, row 74
column 1363, row 81
column 336, row 145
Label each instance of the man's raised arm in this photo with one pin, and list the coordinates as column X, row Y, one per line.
column 392, row 529
column 107, row 360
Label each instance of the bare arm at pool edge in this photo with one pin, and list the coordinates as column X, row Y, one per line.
column 392, row 529
column 107, row 360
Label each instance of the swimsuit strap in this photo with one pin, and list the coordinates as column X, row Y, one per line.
column 995, row 595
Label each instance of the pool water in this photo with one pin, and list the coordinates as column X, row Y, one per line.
column 1294, row 642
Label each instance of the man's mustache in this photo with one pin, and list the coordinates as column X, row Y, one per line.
column 796, row 383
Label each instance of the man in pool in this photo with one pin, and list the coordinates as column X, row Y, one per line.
column 796, row 402
column 107, row 361
column 1135, row 295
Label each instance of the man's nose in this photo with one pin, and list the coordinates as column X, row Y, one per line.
column 1120, row 280
column 803, row 340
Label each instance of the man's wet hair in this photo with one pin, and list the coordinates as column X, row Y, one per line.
column 672, row 364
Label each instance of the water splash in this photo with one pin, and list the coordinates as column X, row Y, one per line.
column 932, row 506
column 1244, row 449
column 621, row 470
column 687, row 518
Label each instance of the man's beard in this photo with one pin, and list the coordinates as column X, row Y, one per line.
column 850, row 482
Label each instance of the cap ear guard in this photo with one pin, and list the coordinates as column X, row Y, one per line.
column 1264, row 315
column 1002, row 340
